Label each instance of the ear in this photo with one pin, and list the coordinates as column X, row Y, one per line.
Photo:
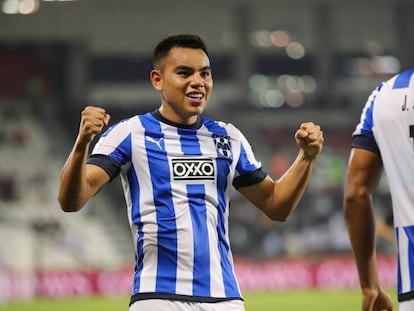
column 156, row 79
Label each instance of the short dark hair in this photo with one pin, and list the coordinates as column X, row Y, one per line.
column 182, row 40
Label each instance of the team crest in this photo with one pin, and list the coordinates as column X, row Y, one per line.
column 223, row 145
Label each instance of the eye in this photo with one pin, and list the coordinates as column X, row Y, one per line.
column 206, row 74
column 184, row 73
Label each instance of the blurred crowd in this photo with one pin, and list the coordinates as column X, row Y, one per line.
column 32, row 151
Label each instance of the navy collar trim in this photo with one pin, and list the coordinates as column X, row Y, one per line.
column 157, row 115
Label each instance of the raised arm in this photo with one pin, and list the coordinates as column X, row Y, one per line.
column 278, row 199
column 364, row 171
column 78, row 180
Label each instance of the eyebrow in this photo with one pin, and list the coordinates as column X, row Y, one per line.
column 182, row 67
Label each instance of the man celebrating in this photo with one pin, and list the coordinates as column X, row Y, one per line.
column 177, row 168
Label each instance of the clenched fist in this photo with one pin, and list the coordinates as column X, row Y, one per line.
column 92, row 122
column 309, row 138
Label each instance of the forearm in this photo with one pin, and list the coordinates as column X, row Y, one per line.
column 289, row 189
column 361, row 228
column 278, row 199
column 74, row 190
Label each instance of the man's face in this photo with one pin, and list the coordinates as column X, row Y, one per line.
column 185, row 82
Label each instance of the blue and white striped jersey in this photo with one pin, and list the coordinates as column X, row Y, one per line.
column 387, row 127
column 177, row 184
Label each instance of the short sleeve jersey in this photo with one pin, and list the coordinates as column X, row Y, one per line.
column 387, row 128
column 176, row 185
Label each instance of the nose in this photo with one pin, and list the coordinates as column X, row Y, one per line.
column 197, row 80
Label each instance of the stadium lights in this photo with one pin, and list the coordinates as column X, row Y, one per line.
column 24, row 7
column 20, row 6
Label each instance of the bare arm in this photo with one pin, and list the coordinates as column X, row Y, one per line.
column 364, row 171
column 79, row 181
column 278, row 199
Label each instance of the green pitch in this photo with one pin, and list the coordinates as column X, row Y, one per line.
column 306, row 300
column 292, row 301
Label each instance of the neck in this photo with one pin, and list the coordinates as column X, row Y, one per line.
column 194, row 125
column 176, row 118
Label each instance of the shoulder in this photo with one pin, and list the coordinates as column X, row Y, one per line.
column 121, row 127
column 402, row 80
column 399, row 83
column 394, row 90
column 219, row 125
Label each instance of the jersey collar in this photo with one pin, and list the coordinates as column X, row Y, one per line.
column 157, row 115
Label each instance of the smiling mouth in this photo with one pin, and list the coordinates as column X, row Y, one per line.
column 196, row 96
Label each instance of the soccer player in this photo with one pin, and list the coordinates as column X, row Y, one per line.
column 177, row 168
column 384, row 139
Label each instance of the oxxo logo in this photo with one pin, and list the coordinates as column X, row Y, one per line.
column 193, row 169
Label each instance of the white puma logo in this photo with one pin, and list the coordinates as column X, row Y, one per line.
column 157, row 142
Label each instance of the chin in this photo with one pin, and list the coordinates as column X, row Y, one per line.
column 198, row 108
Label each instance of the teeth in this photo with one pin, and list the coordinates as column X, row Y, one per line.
column 196, row 96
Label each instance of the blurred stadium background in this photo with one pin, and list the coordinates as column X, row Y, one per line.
column 275, row 63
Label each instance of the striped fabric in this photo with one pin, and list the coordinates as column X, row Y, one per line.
column 388, row 116
column 177, row 185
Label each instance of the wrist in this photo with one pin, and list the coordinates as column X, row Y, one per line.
column 82, row 144
column 308, row 156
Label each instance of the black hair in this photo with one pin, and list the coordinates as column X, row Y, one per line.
column 182, row 40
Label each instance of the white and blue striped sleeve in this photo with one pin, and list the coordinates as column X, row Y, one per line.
column 113, row 149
